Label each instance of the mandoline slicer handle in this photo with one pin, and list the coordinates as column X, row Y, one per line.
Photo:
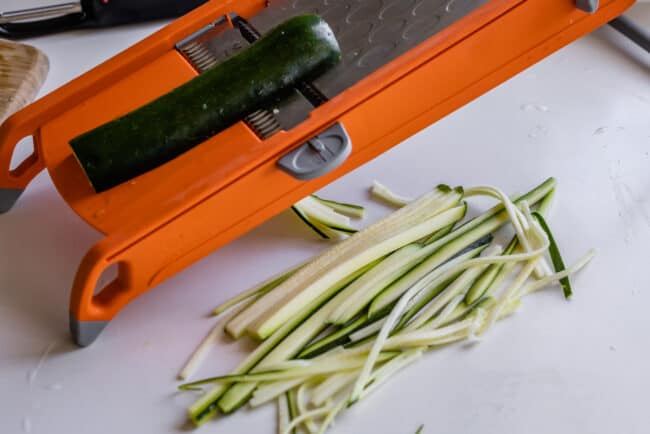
column 147, row 257
column 13, row 182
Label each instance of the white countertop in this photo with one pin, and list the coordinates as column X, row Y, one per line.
column 582, row 115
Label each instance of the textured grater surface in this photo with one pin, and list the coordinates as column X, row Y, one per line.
column 371, row 33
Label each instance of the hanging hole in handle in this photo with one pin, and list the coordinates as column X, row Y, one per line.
column 110, row 284
column 108, row 275
column 23, row 157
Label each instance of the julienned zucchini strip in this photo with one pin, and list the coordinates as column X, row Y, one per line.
column 556, row 257
column 238, row 394
column 436, row 309
column 206, row 406
column 316, row 278
column 450, row 244
column 329, row 219
column 351, row 210
column 302, row 216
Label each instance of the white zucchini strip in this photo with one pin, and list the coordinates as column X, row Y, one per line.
column 317, row 369
column 428, row 293
column 259, row 289
column 301, row 402
column 510, row 307
column 317, row 269
column 384, row 373
column 299, row 297
column 309, row 415
column 329, row 418
column 331, row 233
column 360, row 292
column 347, row 209
column 535, row 286
column 323, row 214
column 427, row 337
column 198, row 356
column 331, row 386
column 442, row 317
column 288, row 364
column 283, row 413
column 542, row 267
column 520, row 279
column 499, row 279
column 382, row 192
column 367, row 331
column 268, row 391
column 519, row 221
column 317, row 210
column 459, row 286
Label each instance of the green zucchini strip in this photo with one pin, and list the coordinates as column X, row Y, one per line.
column 556, row 257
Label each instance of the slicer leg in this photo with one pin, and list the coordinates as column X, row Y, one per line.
column 84, row 333
column 8, row 197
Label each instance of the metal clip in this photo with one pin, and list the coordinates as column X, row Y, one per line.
column 41, row 20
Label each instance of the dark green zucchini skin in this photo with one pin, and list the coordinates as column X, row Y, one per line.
column 301, row 48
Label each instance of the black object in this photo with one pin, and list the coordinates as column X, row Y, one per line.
column 632, row 31
column 88, row 14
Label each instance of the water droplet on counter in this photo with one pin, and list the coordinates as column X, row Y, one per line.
column 539, row 130
column 601, row 130
column 612, row 348
column 450, row 6
column 534, row 107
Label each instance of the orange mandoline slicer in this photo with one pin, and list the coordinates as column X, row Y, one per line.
column 406, row 64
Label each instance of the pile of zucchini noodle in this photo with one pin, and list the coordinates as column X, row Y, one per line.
column 333, row 329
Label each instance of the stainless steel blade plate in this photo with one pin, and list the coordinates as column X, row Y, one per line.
column 371, row 33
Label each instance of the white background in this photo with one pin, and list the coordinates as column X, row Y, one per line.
column 566, row 367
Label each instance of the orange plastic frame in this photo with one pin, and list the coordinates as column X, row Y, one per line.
column 164, row 220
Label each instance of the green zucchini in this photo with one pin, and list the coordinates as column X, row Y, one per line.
column 302, row 48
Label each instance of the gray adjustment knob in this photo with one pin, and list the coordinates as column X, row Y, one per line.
column 318, row 156
column 589, row 6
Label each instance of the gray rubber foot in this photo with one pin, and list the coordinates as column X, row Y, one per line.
column 589, row 6
column 84, row 333
column 8, row 198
